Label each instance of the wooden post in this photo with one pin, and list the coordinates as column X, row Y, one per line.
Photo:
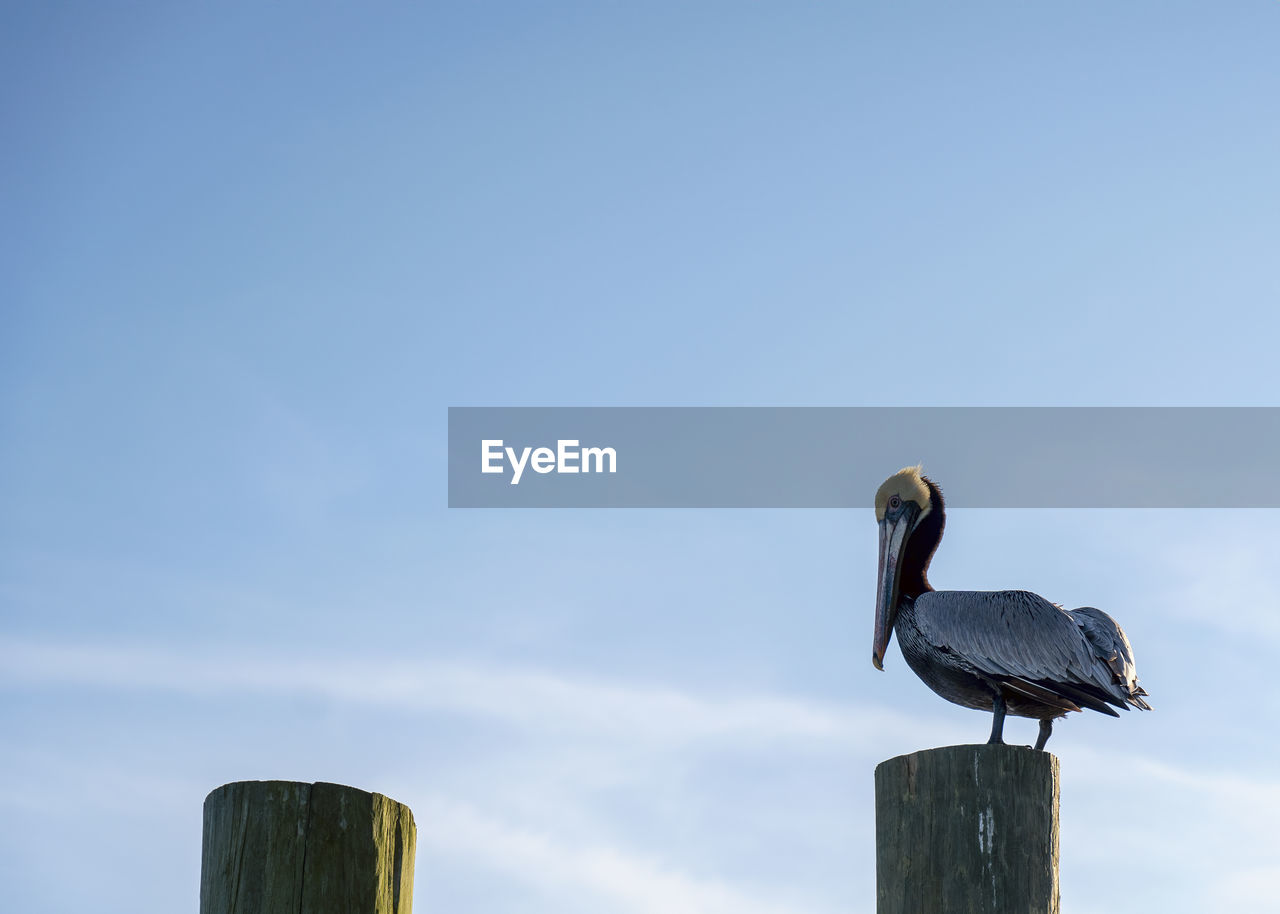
column 967, row 829
column 280, row 847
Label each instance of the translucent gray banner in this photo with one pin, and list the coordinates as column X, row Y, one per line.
column 983, row 457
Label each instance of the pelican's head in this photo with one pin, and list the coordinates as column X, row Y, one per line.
column 901, row 503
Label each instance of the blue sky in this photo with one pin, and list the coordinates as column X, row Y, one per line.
column 251, row 255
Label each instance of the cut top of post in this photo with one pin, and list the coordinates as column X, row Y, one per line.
column 967, row 829
column 283, row 847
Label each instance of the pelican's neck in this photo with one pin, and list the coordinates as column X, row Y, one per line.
column 921, row 544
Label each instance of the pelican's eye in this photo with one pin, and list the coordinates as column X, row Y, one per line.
column 894, row 502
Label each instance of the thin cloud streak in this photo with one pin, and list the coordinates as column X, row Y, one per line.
column 517, row 697
column 534, row 697
column 625, row 881
column 1215, row 823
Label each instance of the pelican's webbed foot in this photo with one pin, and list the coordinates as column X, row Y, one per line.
column 1046, row 728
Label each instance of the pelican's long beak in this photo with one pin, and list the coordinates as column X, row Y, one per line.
column 893, row 533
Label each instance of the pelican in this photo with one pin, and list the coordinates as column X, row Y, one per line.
column 1004, row 651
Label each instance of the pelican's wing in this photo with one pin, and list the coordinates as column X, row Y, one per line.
column 1112, row 647
column 1019, row 638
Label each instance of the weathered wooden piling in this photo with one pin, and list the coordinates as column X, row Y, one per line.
column 281, row 847
column 967, row 830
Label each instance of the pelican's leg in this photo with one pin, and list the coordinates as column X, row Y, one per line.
column 1046, row 727
column 997, row 723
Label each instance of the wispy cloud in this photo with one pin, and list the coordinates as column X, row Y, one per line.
column 541, row 818
column 620, row 880
column 1211, row 824
column 1214, row 571
column 544, row 818
column 1095, row 765
column 517, row 697
column 1249, row 889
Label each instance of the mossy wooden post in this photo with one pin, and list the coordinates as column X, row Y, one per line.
column 280, row 847
column 967, row 830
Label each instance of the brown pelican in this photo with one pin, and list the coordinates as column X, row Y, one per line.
column 1005, row 651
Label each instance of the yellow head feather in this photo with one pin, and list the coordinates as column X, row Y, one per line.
column 908, row 485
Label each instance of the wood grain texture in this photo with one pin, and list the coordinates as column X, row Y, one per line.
column 281, row 847
column 967, row 830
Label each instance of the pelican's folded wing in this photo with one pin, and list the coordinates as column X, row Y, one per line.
column 1017, row 634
